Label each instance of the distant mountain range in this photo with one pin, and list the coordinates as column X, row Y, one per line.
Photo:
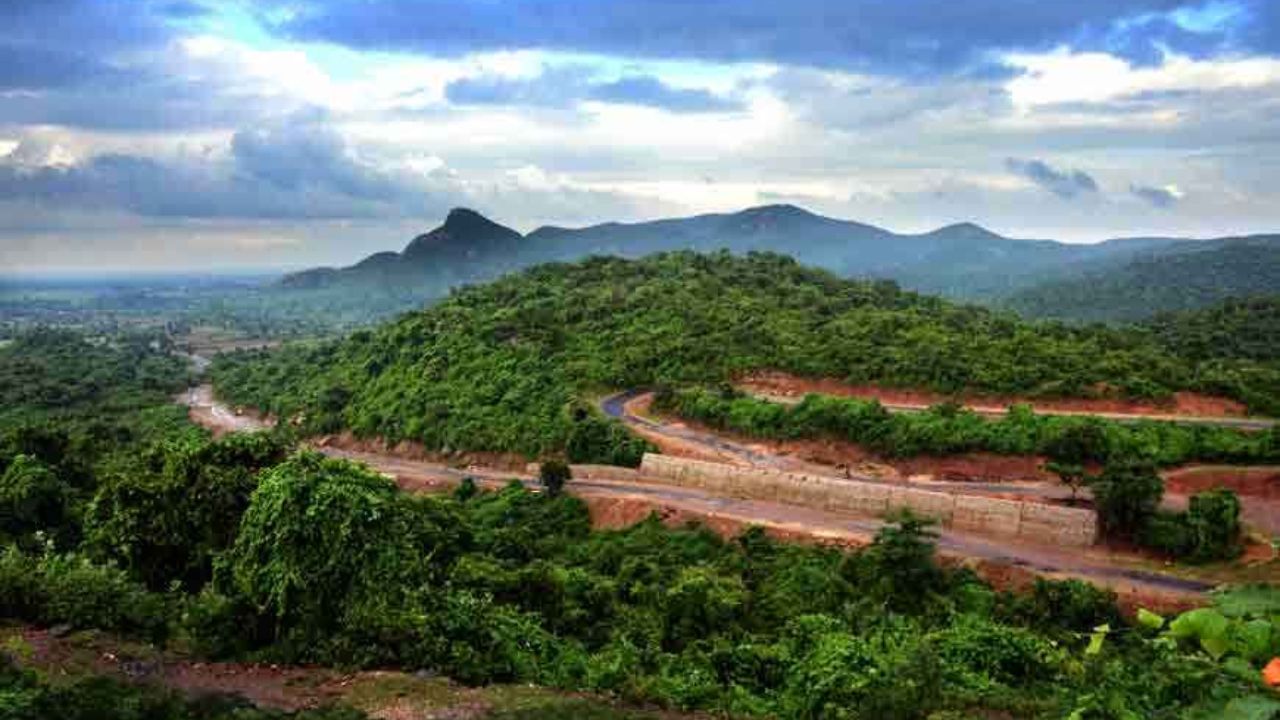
column 963, row 261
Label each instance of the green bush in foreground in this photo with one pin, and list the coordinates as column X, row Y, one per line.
column 332, row 564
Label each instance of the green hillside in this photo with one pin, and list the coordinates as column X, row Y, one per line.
column 1238, row 328
column 504, row 366
column 1189, row 278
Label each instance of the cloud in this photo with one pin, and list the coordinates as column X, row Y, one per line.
column 650, row 91
column 61, row 43
column 1163, row 198
column 566, row 85
column 855, row 102
column 297, row 171
column 552, row 87
column 1066, row 184
column 908, row 37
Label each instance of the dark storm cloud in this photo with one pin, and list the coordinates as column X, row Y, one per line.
column 1066, row 184
column 94, row 64
column 565, row 85
column 1157, row 197
column 57, row 43
column 287, row 172
column 902, row 37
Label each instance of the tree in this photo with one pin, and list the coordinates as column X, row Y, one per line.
column 898, row 567
column 1070, row 474
column 32, row 497
column 1126, row 496
column 326, row 543
column 554, row 474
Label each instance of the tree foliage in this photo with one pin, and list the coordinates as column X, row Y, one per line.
column 502, row 366
column 1067, row 441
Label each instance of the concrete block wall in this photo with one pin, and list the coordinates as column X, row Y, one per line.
column 1027, row 521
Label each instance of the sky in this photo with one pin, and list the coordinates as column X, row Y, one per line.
column 193, row 134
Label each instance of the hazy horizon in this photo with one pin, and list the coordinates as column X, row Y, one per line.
column 183, row 134
column 350, row 256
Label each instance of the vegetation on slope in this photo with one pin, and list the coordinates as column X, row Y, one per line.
column 948, row 429
column 1186, row 279
column 504, row 366
column 296, row 558
column 331, row 564
column 1246, row 328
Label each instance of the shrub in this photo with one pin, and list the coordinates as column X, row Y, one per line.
column 1213, row 520
column 1070, row 606
column 554, row 474
column 322, row 537
column 887, row 675
column 1126, row 495
column 54, row 589
column 1209, row 530
column 32, row 498
column 166, row 520
column 898, row 568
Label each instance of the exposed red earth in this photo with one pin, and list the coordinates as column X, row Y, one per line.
column 621, row 497
column 1183, row 407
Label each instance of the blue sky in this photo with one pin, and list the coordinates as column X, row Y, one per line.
column 190, row 133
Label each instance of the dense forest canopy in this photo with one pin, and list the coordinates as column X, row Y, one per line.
column 1193, row 276
column 503, row 366
column 1246, row 328
column 118, row 516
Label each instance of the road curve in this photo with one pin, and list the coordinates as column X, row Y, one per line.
column 1094, row 566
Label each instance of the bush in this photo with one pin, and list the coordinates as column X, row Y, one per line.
column 54, row 589
column 322, row 538
column 166, row 519
column 898, row 568
column 32, row 498
column 889, row 675
column 1213, row 519
column 1209, row 530
column 1064, row 606
column 554, row 474
column 1126, row 496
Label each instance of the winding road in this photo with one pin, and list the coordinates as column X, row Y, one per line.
column 1126, row 575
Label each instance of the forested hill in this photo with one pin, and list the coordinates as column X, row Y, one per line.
column 1246, row 328
column 1182, row 278
column 963, row 261
column 501, row 366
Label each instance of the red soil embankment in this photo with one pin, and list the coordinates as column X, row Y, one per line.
column 1257, row 482
column 1189, row 404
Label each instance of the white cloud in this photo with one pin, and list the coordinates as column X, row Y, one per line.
column 1063, row 76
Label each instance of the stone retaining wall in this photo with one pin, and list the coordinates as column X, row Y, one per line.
column 1028, row 521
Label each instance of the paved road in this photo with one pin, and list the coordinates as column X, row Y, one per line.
column 1095, row 564
column 619, row 406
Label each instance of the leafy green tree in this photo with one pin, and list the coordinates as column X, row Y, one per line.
column 325, row 543
column 1213, row 519
column 898, row 568
column 32, row 498
column 166, row 520
column 553, row 474
column 1126, row 495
